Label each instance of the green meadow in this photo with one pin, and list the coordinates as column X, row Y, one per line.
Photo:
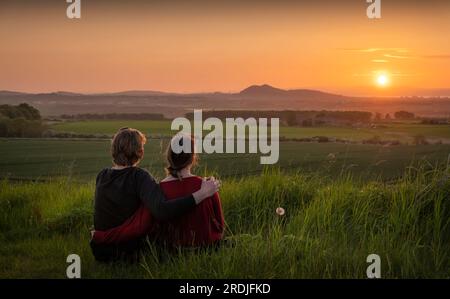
column 83, row 159
column 331, row 225
column 343, row 201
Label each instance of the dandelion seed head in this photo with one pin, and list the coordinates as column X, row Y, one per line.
column 280, row 211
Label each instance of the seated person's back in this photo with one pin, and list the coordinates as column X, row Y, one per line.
column 200, row 226
column 118, row 194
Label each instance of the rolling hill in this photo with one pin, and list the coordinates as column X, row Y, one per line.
column 255, row 97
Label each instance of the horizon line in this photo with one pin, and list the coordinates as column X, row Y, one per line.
column 340, row 93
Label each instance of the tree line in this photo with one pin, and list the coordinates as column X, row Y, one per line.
column 22, row 120
column 114, row 116
column 295, row 118
column 316, row 118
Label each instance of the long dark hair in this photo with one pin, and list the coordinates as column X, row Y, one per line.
column 177, row 162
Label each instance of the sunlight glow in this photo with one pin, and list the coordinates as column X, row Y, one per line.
column 382, row 80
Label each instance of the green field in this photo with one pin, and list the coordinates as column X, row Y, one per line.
column 343, row 201
column 403, row 132
column 110, row 127
column 44, row 158
column 83, row 159
column 330, row 227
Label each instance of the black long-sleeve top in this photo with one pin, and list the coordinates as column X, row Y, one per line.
column 119, row 193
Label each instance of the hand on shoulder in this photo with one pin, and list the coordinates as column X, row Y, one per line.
column 209, row 187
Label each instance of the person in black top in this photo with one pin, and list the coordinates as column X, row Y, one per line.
column 123, row 188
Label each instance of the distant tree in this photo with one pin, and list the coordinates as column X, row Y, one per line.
column 387, row 117
column 20, row 121
column 4, row 126
column 434, row 121
column 349, row 116
column 377, row 116
column 404, row 115
column 29, row 112
column 323, row 116
column 307, row 122
column 21, row 111
column 115, row 116
column 291, row 118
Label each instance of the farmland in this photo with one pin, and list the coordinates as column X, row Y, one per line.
column 109, row 127
column 342, row 201
column 82, row 159
column 403, row 131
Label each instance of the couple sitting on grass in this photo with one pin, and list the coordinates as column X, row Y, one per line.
column 183, row 210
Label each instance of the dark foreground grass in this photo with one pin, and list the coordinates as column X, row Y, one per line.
column 330, row 227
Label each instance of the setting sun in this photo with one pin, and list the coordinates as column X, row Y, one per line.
column 382, row 80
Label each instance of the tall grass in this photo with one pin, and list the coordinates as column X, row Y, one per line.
column 331, row 225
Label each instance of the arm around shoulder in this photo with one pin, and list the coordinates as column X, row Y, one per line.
column 153, row 197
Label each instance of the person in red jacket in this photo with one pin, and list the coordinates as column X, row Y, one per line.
column 201, row 226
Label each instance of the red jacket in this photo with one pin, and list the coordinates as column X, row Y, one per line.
column 200, row 226
column 203, row 225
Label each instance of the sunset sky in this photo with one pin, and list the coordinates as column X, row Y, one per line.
column 200, row 46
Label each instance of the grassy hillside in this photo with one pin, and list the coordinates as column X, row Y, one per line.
column 330, row 227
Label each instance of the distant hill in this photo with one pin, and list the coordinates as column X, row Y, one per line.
column 255, row 97
column 11, row 93
column 266, row 90
column 64, row 93
column 262, row 90
column 138, row 93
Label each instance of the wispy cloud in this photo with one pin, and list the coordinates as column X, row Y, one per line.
column 443, row 56
column 395, row 53
column 398, row 56
column 373, row 50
